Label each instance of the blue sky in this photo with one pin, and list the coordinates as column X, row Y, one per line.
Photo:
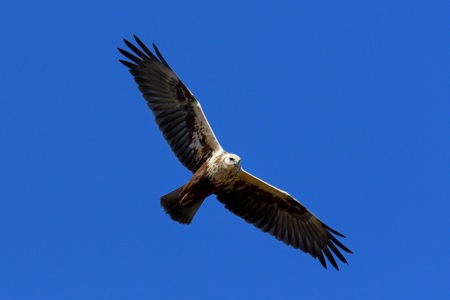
column 344, row 105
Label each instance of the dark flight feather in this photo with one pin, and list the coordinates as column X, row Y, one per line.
column 277, row 213
column 177, row 112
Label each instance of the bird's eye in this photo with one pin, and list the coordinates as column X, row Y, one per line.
column 232, row 159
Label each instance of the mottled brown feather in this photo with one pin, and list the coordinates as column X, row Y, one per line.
column 176, row 110
column 276, row 212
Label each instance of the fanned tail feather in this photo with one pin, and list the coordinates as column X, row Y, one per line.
column 183, row 213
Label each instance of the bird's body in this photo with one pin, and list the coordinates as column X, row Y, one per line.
column 215, row 171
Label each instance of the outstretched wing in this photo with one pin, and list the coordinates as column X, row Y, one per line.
column 276, row 212
column 177, row 112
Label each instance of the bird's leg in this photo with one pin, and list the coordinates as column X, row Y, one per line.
column 185, row 201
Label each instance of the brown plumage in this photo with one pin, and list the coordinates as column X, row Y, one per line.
column 215, row 171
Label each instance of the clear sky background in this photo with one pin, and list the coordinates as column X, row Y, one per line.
column 344, row 104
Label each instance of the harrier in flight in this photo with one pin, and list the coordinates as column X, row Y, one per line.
column 185, row 127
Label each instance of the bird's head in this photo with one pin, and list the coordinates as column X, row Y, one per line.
column 232, row 161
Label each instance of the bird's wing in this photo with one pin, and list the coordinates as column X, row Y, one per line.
column 276, row 212
column 177, row 112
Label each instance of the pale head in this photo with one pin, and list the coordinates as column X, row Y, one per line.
column 233, row 162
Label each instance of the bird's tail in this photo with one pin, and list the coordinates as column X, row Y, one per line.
column 178, row 210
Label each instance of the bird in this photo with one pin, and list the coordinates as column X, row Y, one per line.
column 184, row 126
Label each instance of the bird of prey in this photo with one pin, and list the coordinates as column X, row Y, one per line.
column 215, row 171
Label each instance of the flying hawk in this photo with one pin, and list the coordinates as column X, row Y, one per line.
column 186, row 129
